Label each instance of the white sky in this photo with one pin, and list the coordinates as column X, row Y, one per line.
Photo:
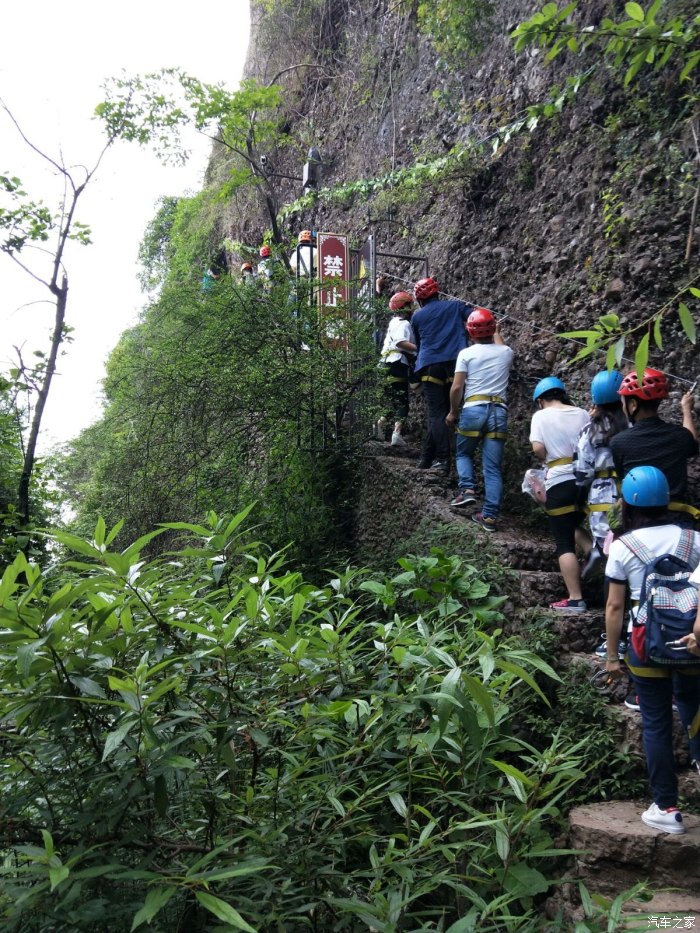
column 50, row 77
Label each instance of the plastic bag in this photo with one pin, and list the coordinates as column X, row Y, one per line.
column 533, row 485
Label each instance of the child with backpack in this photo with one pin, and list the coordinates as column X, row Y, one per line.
column 654, row 559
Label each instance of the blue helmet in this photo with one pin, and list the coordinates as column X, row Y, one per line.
column 605, row 385
column 546, row 385
column 646, row 487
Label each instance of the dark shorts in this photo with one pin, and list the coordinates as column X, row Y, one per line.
column 563, row 527
column 396, row 389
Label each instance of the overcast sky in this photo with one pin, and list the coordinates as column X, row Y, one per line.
column 55, row 57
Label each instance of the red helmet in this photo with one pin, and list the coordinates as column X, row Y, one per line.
column 265, row 251
column 425, row 288
column 654, row 385
column 400, row 300
column 305, row 236
column 481, row 324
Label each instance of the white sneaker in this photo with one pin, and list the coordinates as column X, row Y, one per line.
column 666, row 821
column 397, row 440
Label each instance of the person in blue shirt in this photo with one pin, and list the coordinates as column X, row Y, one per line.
column 440, row 335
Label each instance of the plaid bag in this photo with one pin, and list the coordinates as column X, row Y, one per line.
column 668, row 603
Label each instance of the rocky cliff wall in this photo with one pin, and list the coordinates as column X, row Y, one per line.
column 587, row 214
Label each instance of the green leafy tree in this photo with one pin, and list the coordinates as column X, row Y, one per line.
column 35, row 238
column 154, row 109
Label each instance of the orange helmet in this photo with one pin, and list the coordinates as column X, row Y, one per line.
column 400, row 300
column 425, row 288
column 265, row 251
column 247, row 267
column 481, row 324
column 654, row 385
column 305, row 236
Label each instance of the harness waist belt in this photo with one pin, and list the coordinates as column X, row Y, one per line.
column 440, row 382
column 562, row 461
column 486, row 398
column 497, row 435
column 563, row 510
column 605, row 474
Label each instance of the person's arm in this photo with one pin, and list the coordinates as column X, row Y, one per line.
column 539, row 450
column 456, row 398
column 537, row 438
column 405, row 342
column 497, row 337
column 688, row 419
column 614, row 619
column 692, row 641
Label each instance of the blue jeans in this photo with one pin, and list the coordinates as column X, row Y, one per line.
column 481, row 420
column 656, row 696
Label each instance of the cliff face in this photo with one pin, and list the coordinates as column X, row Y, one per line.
column 585, row 215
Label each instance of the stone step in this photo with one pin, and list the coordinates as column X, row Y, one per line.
column 617, row 850
column 522, row 551
column 678, row 909
column 627, row 726
column 578, row 632
column 539, row 587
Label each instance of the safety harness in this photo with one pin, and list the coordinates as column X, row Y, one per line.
column 492, row 400
column 562, row 461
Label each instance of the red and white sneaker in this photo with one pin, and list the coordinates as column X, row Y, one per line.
column 666, row 821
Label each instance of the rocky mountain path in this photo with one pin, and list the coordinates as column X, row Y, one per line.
column 615, row 849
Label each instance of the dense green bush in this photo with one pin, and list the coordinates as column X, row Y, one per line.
column 205, row 735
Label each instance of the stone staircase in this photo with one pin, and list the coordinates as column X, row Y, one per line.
column 615, row 849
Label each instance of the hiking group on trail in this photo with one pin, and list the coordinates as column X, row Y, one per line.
column 617, row 467
column 612, row 479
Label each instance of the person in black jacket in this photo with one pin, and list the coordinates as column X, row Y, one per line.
column 653, row 442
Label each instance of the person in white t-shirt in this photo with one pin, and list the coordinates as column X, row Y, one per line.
column 554, row 432
column 398, row 356
column 302, row 260
column 645, row 497
column 479, row 388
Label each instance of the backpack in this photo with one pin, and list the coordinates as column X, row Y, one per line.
column 668, row 603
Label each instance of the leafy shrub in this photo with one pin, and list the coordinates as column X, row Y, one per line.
column 206, row 735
